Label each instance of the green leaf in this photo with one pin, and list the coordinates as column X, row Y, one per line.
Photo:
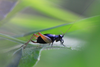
column 5, row 7
column 16, row 9
column 61, row 58
column 85, row 25
column 48, row 29
column 89, row 57
column 46, row 7
column 13, row 39
column 16, row 58
column 30, row 56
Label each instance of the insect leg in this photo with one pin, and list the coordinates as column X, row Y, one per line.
column 63, row 45
column 36, row 35
column 28, row 41
column 51, row 44
column 62, row 41
column 33, row 41
column 45, row 38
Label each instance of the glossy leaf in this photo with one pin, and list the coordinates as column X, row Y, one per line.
column 48, row 8
column 84, row 25
column 5, row 7
column 16, row 9
column 30, row 56
column 16, row 58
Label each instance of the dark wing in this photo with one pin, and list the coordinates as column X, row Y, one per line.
column 45, row 38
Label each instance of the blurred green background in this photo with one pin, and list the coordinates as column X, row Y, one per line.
column 22, row 18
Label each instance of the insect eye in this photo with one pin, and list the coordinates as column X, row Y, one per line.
column 60, row 36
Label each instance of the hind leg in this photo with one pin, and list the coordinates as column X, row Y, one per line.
column 30, row 40
column 33, row 41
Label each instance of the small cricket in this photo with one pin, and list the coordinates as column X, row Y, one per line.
column 47, row 38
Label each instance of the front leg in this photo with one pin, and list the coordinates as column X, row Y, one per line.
column 51, row 44
column 62, row 41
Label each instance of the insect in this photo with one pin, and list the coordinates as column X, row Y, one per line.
column 47, row 38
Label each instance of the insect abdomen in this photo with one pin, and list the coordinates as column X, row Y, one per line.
column 40, row 40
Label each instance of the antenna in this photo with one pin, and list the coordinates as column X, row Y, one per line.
column 68, row 30
column 81, row 13
column 61, row 31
